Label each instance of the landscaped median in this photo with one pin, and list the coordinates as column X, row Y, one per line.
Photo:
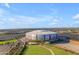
column 8, row 41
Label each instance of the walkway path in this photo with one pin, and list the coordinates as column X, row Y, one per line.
column 48, row 49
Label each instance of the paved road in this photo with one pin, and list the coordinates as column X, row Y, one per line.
column 5, row 48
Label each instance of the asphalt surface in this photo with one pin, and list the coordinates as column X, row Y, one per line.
column 10, row 36
column 4, row 49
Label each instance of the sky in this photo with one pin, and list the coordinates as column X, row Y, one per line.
column 39, row 15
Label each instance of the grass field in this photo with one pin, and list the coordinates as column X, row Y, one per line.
column 35, row 50
column 58, row 51
column 8, row 41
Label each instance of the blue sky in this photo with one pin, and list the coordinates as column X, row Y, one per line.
column 45, row 15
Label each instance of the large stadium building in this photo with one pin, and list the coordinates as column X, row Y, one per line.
column 45, row 35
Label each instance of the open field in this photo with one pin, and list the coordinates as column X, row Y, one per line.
column 37, row 50
column 58, row 51
column 8, row 41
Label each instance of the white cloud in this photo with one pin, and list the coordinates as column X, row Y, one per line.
column 76, row 22
column 1, row 22
column 35, row 20
column 7, row 5
column 23, row 19
column 56, row 20
column 2, row 12
column 17, row 20
column 76, row 17
column 53, row 23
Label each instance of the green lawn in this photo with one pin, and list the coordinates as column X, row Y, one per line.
column 35, row 50
column 7, row 41
column 58, row 51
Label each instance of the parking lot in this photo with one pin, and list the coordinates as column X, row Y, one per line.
column 4, row 49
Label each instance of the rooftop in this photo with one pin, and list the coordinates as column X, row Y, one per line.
column 42, row 32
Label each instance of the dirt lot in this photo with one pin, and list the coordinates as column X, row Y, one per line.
column 74, row 42
column 72, row 46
